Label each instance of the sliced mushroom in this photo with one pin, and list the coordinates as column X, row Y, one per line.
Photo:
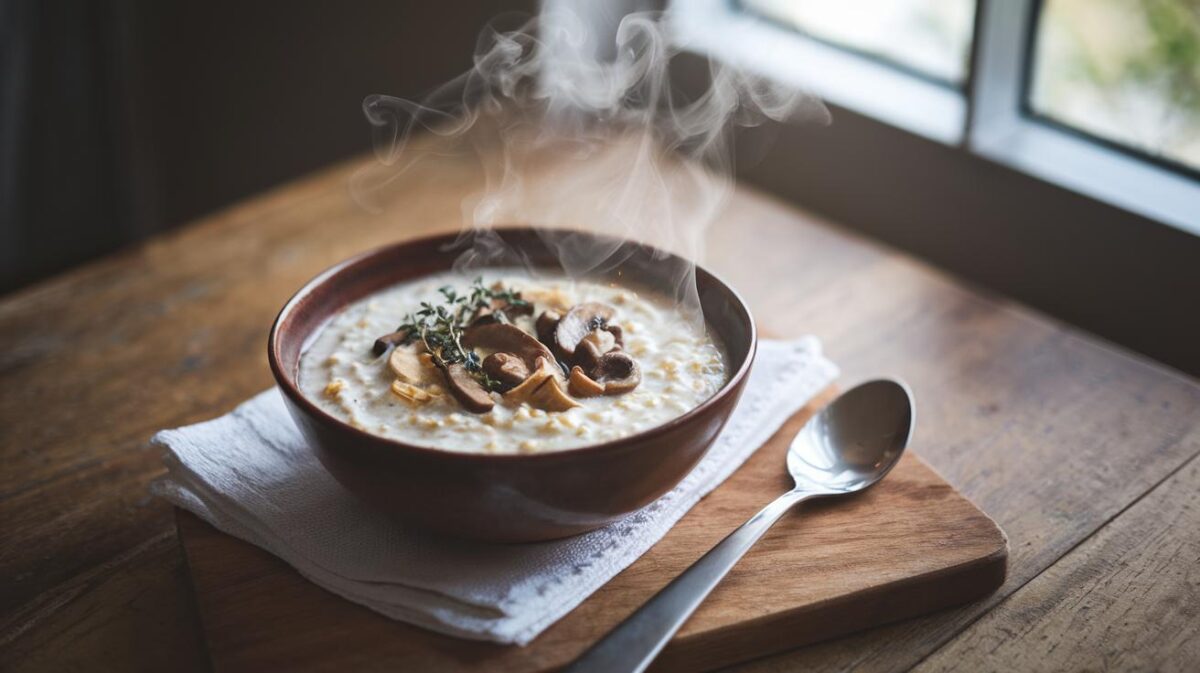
column 591, row 347
column 546, row 322
column 618, row 333
column 503, row 338
column 388, row 340
column 412, row 366
column 467, row 390
column 582, row 385
column 542, row 370
column 542, row 390
column 550, row 396
column 489, row 313
column 618, row 372
column 506, row 368
column 576, row 324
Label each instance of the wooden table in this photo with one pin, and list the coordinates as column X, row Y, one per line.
column 1085, row 454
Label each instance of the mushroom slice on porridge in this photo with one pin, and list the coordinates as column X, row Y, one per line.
column 582, row 385
column 506, row 369
column 578, row 322
column 618, row 372
column 545, row 325
column 468, row 390
column 505, row 338
column 542, row 390
column 389, row 340
column 592, row 347
column 409, row 363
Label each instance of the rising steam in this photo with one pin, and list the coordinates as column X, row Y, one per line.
column 568, row 139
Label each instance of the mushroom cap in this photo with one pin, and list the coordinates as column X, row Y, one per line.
column 388, row 340
column 618, row 372
column 467, row 390
column 506, row 338
column 407, row 365
column 581, row 319
column 506, row 368
column 591, row 347
column 618, row 333
column 545, row 326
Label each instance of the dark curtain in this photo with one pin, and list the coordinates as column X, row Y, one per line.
column 64, row 186
column 119, row 118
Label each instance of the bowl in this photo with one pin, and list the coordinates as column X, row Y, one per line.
column 507, row 498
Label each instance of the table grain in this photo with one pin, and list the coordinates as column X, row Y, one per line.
column 1084, row 453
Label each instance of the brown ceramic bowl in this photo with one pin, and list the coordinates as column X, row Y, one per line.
column 513, row 498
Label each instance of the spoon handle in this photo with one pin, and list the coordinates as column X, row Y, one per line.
column 635, row 642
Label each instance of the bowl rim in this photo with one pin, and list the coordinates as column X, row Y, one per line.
column 298, row 397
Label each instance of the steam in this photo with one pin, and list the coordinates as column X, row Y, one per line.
column 568, row 139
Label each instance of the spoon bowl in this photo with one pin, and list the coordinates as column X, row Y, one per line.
column 855, row 441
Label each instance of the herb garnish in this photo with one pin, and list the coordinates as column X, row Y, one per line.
column 441, row 327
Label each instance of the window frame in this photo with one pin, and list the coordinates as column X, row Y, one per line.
column 1004, row 128
column 989, row 117
column 909, row 70
column 1028, row 110
column 846, row 77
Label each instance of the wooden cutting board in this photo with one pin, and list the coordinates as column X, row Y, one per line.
column 909, row 546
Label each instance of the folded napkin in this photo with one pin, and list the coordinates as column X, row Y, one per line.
column 250, row 474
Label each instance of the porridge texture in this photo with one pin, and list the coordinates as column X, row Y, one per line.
column 566, row 364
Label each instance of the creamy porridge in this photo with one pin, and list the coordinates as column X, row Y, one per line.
column 509, row 363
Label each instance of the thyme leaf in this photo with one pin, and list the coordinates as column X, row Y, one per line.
column 440, row 327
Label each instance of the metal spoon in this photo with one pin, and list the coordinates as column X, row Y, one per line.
column 844, row 449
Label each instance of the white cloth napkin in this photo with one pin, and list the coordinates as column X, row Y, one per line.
column 250, row 474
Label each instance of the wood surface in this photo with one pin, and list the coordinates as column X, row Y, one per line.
column 1123, row 594
column 909, row 546
column 1054, row 434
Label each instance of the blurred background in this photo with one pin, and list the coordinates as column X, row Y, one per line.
column 1048, row 150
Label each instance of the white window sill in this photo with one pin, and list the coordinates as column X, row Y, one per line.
column 1094, row 170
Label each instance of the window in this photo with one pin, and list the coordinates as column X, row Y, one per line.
column 847, row 57
column 932, row 38
column 1125, row 71
column 1099, row 96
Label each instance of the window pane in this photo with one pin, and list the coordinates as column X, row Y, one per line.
column 931, row 37
column 1124, row 70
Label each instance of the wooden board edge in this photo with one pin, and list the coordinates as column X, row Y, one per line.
column 887, row 604
column 186, row 522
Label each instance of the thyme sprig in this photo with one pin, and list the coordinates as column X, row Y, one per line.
column 440, row 327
